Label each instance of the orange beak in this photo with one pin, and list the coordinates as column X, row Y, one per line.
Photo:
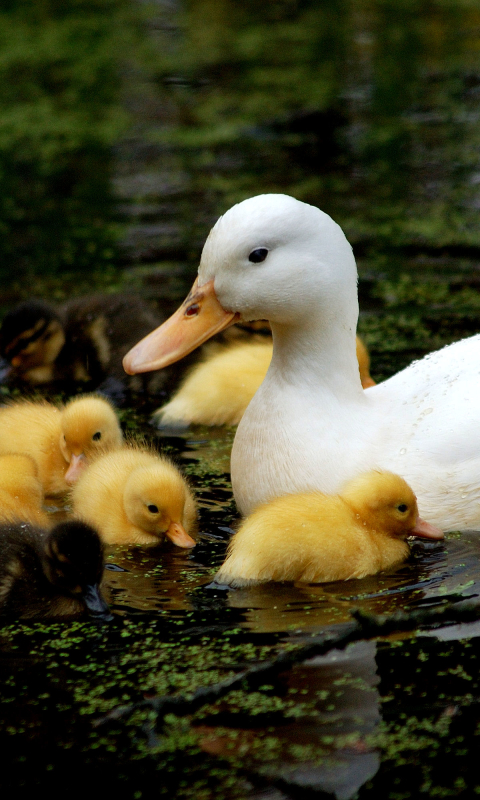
column 75, row 469
column 179, row 536
column 426, row 531
column 199, row 317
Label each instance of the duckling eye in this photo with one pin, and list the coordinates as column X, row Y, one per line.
column 402, row 507
column 96, row 436
column 258, row 255
column 153, row 509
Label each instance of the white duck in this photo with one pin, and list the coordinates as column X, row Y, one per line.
column 311, row 425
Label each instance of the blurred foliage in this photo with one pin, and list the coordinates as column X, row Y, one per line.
column 60, row 113
column 368, row 108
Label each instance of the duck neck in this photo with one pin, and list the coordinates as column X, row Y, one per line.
column 319, row 357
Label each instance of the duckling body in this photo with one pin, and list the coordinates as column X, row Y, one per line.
column 134, row 496
column 21, row 493
column 82, row 341
column 50, row 574
column 219, row 389
column 315, row 538
column 60, row 439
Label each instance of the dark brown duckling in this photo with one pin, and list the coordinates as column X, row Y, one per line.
column 51, row 574
column 82, row 341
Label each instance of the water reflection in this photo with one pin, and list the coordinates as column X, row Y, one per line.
column 327, row 751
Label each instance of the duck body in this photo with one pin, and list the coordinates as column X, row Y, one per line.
column 60, row 439
column 134, row 496
column 310, row 426
column 314, row 538
column 219, row 389
column 50, row 574
column 21, row 493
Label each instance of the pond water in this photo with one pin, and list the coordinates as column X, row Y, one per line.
column 370, row 110
column 371, row 718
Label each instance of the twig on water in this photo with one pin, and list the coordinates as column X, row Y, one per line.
column 363, row 626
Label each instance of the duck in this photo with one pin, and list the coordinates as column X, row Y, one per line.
column 218, row 390
column 21, row 493
column 61, row 439
column 316, row 538
column 311, row 426
column 135, row 496
column 80, row 342
column 53, row 573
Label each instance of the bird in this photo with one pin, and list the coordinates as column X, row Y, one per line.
column 311, row 426
column 82, row 341
column 218, row 390
column 61, row 439
column 315, row 538
column 135, row 496
column 21, row 493
column 53, row 573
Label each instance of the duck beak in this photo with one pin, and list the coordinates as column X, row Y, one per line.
column 96, row 605
column 179, row 536
column 199, row 317
column 77, row 465
column 426, row 531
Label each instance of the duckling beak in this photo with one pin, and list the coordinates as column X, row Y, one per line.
column 199, row 317
column 426, row 531
column 77, row 465
column 179, row 536
column 96, row 605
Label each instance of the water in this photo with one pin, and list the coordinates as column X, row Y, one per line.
column 370, row 111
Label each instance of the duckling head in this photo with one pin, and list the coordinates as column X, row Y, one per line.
column 154, row 501
column 385, row 502
column 74, row 565
column 90, row 427
column 31, row 338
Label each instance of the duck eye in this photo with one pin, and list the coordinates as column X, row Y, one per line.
column 402, row 507
column 153, row 509
column 96, row 436
column 258, row 255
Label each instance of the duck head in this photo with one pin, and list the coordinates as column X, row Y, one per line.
column 270, row 257
column 31, row 338
column 386, row 503
column 90, row 427
column 154, row 501
column 74, row 561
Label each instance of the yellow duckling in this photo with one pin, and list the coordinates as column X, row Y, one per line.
column 315, row 538
column 21, row 493
column 219, row 389
column 60, row 439
column 134, row 496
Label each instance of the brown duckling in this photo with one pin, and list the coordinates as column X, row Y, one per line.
column 316, row 538
column 82, row 341
column 60, row 439
column 218, row 390
column 21, row 493
column 51, row 574
column 134, row 496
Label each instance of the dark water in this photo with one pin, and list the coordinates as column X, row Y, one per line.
column 380, row 716
column 369, row 110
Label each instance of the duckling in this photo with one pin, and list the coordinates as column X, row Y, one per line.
column 82, row 341
column 21, row 493
column 60, row 439
column 315, row 538
column 51, row 574
column 219, row 389
column 135, row 496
